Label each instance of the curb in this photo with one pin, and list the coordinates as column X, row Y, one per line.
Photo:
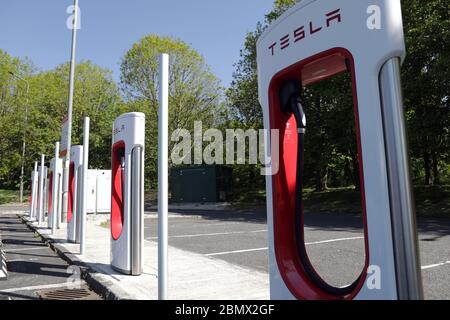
column 92, row 277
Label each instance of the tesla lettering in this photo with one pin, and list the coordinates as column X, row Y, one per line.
column 301, row 32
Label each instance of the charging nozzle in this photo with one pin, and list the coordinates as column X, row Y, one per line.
column 291, row 102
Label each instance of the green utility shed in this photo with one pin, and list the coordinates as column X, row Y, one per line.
column 201, row 184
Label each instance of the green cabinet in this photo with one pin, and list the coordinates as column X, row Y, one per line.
column 200, row 184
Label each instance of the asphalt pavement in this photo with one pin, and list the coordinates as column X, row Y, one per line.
column 335, row 244
column 32, row 266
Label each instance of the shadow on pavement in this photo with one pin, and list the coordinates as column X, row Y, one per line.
column 6, row 295
column 38, row 268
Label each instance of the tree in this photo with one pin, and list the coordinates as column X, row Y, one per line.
column 242, row 96
column 194, row 94
column 242, row 102
column 96, row 96
column 12, row 116
column 427, row 85
column 331, row 154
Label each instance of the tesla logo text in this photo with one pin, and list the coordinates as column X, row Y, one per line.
column 306, row 30
column 374, row 20
column 119, row 130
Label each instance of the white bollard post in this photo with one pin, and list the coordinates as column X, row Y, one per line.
column 163, row 179
column 84, row 186
column 34, row 192
column 41, row 191
column 55, row 188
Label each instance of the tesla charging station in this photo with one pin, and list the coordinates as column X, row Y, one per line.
column 54, row 184
column 41, row 193
column 314, row 40
column 127, row 193
column 34, row 195
column 74, row 200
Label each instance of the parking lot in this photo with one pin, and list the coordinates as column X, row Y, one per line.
column 334, row 243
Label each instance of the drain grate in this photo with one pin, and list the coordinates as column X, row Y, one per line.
column 68, row 294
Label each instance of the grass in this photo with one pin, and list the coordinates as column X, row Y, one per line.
column 105, row 224
column 9, row 196
column 338, row 200
column 430, row 201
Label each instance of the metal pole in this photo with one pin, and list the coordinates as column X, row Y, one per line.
column 84, row 177
column 163, row 190
column 41, row 191
column 54, row 212
column 404, row 229
column 69, row 117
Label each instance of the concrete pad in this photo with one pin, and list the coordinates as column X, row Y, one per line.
column 191, row 275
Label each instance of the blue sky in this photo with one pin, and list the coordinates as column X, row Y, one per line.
column 216, row 29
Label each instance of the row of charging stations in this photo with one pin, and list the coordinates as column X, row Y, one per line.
column 313, row 41
column 119, row 191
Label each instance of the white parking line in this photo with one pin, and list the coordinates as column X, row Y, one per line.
column 210, row 234
column 435, row 265
column 334, row 240
column 23, row 260
column 235, row 251
column 266, row 248
column 42, row 287
column 16, row 234
column 25, row 249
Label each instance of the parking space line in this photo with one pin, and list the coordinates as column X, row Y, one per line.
column 266, row 248
column 25, row 249
column 16, row 234
column 235, row 251
column 211, row 234
column 42, row 287
column 23, row 260
column 334, row 240
column 435, row 265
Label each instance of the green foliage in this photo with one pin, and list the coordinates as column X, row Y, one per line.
column 243, row 109
column 9, row 196
column 426, row 84
column 194, row 93
column 331, row 153
column 279, row 7
column 96, row 96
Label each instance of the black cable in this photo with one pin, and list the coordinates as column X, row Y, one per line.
column 291, row 101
